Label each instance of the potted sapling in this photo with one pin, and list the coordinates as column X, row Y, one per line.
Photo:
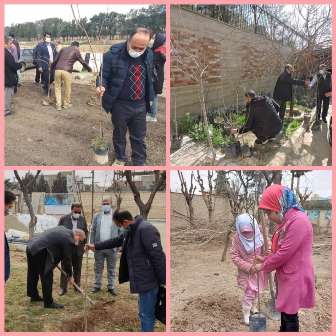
column 100, row 149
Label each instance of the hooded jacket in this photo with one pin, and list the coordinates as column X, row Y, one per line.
column 159, row 62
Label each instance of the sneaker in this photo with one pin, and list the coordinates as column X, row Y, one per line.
column 118, row 163
column 65, row 107
column 36, row 299
column 261, row 142
column 95, row 290
column 54, row 305
column 62, row 292
column 112, row 291
column 150, row 118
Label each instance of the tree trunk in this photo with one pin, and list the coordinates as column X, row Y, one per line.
column 119, row 200
column 191, row 214
column 211, row 212
column 226, row 244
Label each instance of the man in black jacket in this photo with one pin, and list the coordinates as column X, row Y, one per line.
column 323, row 83
column 44, row 253
column 142, row 262
column 11, row 77
column 9, row 203
column 73, row 221
column 283, row 91
column 262, row 117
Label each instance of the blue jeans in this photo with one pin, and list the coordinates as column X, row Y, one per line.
column 147, row 302
column 154, row 107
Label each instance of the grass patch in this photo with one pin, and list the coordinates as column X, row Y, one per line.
column 109, row 314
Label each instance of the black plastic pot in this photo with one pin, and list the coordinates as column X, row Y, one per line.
column 100, row 150
column 226, row 130
column 232, row 150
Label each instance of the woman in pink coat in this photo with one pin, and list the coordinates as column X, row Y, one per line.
column 245, row 247
column 292, row 255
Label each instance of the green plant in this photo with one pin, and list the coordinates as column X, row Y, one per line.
column 98, row 143
column 292, row 126
column 185, row 123
column 239, row 120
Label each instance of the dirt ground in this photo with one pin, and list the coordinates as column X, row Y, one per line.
column 205, row 296
column 108, row 314
column 40, row 135
column 302, row 148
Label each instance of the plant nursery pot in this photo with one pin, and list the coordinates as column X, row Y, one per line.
column 233, row 150
column 257, row 322
column 226, row 130
column 101, row 156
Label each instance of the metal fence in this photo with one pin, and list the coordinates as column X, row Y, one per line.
column 253, row 18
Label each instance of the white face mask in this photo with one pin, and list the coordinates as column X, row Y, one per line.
column 106, row 208
column 75, row 216
column 135, row 54
column 322, row 72
column 48, row 39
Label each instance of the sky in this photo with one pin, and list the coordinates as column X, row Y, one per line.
column 30, row 13
column 319, row 181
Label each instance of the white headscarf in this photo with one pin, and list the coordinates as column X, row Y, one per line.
column 244, row 222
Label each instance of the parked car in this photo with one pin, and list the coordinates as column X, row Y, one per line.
column 26, row 59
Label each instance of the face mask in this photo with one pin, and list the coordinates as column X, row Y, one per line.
column 106, row 208
column 75, row 216
column 150, row 44
column 135, row 54
column 48, row 39
column 322, row 72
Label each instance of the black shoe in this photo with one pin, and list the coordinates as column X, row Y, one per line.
column 95, row 290
column 324, row 120
column 62, row 292
column 54, row 305
column 112, row 291
column 36, row 299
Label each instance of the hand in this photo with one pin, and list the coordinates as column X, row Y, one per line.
column 100, row 90
column 89, row 247
column 234, row 131
column 258, row 267
column 307, row 82
column 40, row 69
column 259, row 259
column 71, row 281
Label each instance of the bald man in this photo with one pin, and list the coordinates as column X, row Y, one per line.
column 127, row 92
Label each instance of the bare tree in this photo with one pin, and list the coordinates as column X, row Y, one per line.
column 27, row 198
column 188, row 194
column 117, row 189
column 208, row 196
column 159, row 184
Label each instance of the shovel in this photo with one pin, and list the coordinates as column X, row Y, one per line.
column 76, row 286
column 272, row 313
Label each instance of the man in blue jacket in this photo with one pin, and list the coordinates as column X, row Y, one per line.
column 127, row 92
column 45, row 56
column 9, row 201
column 142, row 262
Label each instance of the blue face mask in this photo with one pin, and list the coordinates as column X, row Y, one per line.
column 106, row 208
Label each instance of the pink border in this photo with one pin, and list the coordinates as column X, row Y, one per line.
column 168, row 167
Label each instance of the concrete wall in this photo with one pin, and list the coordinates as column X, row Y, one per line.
column 177, row 201
column 158, row 210
column 237, row 61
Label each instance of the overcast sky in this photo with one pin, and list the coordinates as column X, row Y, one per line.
column 319, row 181
column 30, row 13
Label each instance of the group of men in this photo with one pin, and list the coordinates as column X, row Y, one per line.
column 130, row 80
column 142, row 260
column 265, row 116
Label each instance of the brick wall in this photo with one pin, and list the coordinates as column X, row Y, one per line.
column 236, row 61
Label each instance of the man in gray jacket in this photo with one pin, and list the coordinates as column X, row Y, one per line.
column 104, row 229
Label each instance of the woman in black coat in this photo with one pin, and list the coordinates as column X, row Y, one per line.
column 159, row 60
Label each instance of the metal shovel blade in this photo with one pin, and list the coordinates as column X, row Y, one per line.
column 272, row 313
column 257, row 322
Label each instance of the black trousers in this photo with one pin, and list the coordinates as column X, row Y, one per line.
column 76, row 270
column 325, row 101
column 46, row 80
column 289, row 322
column 36, row 270
column 127, row 116
column 37, row 75
column 282, row 110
